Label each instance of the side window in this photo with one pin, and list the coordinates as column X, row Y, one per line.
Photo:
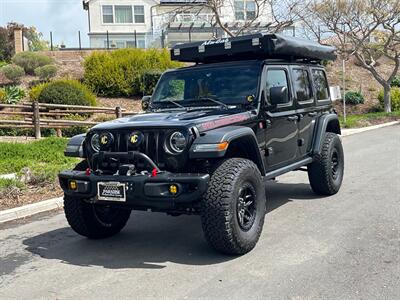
column 276, row 78
column 320, row 84
column 301, row 85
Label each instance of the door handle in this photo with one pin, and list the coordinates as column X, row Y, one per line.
column 312, row 114
column 292, row 118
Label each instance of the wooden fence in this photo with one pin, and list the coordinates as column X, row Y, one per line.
column 43, row 115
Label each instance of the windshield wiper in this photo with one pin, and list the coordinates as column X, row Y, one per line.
column 224, row 105
column 175, row 103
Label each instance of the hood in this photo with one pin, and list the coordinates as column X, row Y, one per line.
column 204, row 119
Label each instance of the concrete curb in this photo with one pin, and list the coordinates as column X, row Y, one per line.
column 56, row 203
column 30, row 209
column 347, row 132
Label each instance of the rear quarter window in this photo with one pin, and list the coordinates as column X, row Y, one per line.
column 320, row 84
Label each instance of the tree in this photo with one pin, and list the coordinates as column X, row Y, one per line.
column 35, row 39
column 365, row 29
column 280, row 14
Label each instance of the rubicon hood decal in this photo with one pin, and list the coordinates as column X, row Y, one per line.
column 222, row 122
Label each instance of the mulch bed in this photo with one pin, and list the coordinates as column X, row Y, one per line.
column 32, row 194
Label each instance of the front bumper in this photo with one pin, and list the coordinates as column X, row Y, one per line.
column 142, row 191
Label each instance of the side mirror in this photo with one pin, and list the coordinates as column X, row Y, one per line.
column 279, row 95
column 146, row 102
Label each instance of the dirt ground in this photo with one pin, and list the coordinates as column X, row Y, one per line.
column 130, row 104
column 32, row 194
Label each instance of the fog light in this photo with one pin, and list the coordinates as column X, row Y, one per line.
column 73, row 185
column 173, row 189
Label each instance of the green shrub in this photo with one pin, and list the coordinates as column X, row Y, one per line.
column 13, row 72
column 149, row 80
column 35, row 91
column 29, row 61
column 395, row 82
column 3, row 63
column 394, row 98
column 119, row 72
column 46, row 72
column 67, row 91
column 3, row 96
column 11, row 94
column 353, row 97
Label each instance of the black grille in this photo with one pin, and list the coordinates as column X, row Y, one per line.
column 152, row 145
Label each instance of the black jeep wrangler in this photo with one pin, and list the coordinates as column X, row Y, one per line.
column 249, row 109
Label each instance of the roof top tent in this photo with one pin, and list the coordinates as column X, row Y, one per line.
column 255, row 46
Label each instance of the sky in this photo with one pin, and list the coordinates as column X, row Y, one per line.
column 63, row 17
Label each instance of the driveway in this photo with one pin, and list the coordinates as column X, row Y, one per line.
column 342, row 247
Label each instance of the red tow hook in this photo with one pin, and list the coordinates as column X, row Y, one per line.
column 88, row 171
column 154, row 172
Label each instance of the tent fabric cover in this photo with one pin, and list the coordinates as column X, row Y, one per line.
column 255, row 46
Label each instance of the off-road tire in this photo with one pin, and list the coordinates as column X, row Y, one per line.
column 325, row 173
column 85, row 218
column 219, row 215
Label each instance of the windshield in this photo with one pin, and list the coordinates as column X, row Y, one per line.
column 228, row 85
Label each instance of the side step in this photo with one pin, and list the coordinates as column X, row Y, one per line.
column 291, row 167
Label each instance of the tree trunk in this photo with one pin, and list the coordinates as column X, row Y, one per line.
column 386, row 99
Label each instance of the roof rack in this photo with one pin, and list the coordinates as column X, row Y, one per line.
column 255, row 46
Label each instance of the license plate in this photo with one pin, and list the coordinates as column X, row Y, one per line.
column 111, row 191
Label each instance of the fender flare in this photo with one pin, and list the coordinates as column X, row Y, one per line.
column 228, row 134
column 75, row 146
column 326, row 123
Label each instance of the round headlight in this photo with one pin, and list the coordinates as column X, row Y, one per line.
column 177, row 142
column 95, row 142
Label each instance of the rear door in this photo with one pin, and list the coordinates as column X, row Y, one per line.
column 305, row 105
column 281, row 134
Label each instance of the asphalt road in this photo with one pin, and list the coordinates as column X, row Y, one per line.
column 341, row 247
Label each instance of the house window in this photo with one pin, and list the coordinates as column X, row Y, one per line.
column 123, row 14
column 139, row 13
column 108, row 16
column 245, row 10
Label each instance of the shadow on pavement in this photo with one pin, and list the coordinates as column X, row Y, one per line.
column 149, row 240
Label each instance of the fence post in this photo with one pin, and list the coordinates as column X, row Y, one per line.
column 135, row 39
column 80, row 42
column 118, row 112
column 36, row 119
column 58, row 130
column 51, row 40
column 108, row 41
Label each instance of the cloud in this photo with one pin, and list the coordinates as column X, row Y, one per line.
column 63, row 17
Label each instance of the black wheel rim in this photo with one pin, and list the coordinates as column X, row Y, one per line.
column 105, row 214
column 246, row 207
column 335, row 164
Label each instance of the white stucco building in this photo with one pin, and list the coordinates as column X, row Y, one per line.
column 147, row 23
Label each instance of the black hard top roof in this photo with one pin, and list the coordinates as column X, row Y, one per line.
column 255, row 46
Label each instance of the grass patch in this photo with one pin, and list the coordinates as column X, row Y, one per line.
column 45, row 158
column 362, row 120
column 11, row 183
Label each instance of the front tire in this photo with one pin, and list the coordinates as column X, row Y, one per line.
column 325, row 173
column 234, row 207
column 92, row 220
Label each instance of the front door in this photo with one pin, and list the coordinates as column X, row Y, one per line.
column 282, row 131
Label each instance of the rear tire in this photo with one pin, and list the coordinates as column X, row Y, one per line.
column 234, row 207
column 325, row 173
column 92, row 220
